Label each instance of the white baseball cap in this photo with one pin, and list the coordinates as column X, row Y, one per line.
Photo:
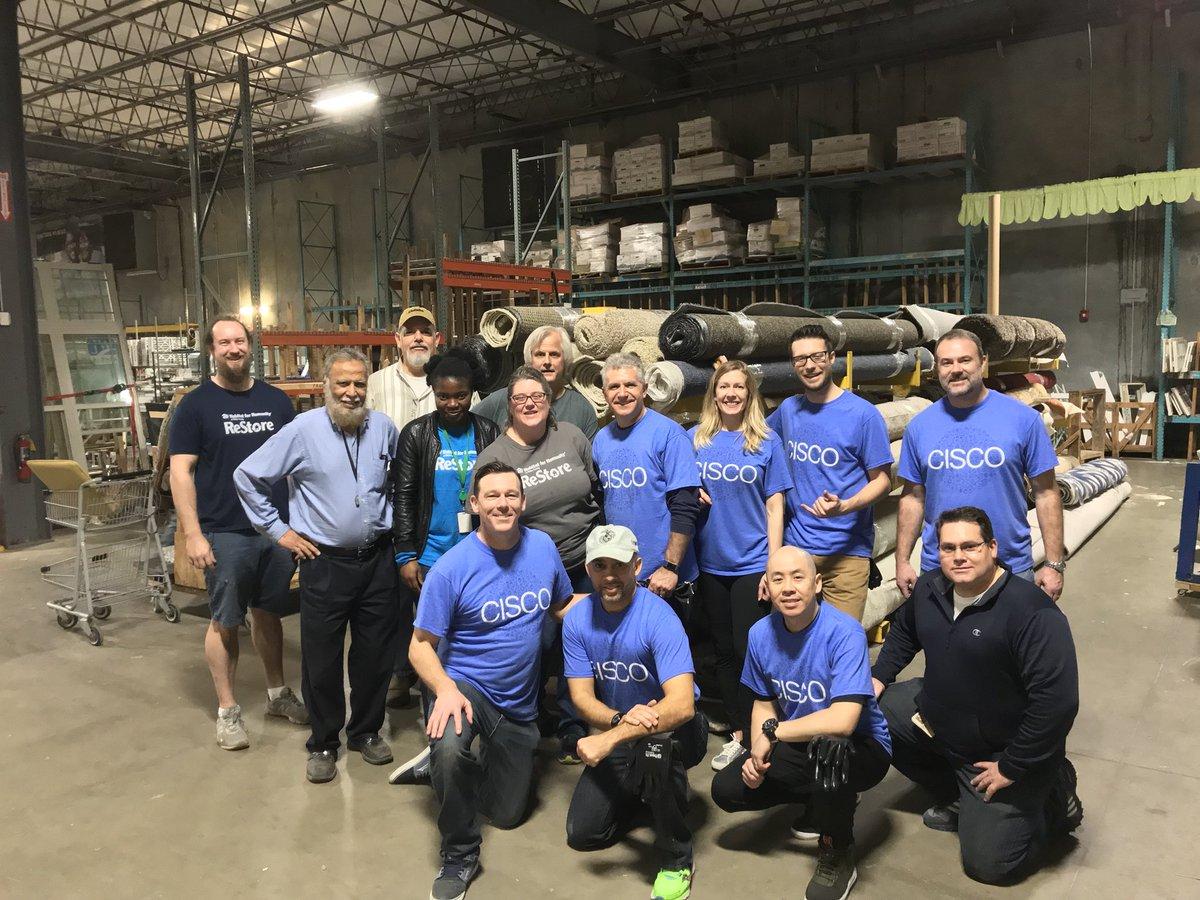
column 612, row 542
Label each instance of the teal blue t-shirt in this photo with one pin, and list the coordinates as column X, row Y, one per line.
column 451, row 482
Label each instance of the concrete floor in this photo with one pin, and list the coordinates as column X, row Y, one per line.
column 116, row 788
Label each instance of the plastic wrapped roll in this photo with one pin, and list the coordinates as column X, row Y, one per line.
column 600, row 336
column 509, row 326
column 1090, row 480
column 931, row 323
column 898, row 413
column 671, row 380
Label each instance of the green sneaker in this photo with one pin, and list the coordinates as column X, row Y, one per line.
column 673, row 884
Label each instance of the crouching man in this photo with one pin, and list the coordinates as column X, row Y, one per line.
column 984, row 732
column 818, row 736
column 629, row 667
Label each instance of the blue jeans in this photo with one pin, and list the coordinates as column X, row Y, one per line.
column 251, row 571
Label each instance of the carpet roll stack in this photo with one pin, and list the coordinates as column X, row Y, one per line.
column 697, row 337
column 495, row 363
column 1006, row 337
column 884, row 366
column 600, row 336
column 1088, row 481
column 509, row 326
column 671, row 380
column 644, row 348
column 585, row 378
column 870, row 334
column 898, row 413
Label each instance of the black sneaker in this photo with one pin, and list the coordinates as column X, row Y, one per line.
column 835, row 874
column 414, row 771
column 453, row 878
column 1068, row 808
column 942, row 818
column 802, row 826
column 322, row 766
column 374, row 749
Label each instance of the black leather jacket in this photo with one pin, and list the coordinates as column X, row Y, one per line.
column 412, row 477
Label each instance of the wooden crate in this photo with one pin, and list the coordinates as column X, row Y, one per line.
column 1087, row 432
column 1131, row 429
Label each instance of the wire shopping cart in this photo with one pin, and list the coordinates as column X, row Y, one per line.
column 118, row 555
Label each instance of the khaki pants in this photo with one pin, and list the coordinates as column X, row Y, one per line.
column 844, row 582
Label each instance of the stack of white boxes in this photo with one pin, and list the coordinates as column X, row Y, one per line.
column 707, row 234
column 591, row 172
column 643, row 247
column 541, row 254
column 931, row 140
column 704, row 156
column 594, row 248
column 701, row 135
column 781, row 159
column 641, row 168
column 846, row 153
column 493, row 251
column 784, row 234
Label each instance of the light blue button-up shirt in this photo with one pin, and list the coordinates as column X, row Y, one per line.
column 323, row 491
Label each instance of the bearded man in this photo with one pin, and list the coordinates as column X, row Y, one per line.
column 337, row 458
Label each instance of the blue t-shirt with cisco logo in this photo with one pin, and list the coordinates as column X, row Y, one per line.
column 486, row 607
column 978, row 456
column 807, row 671
column 831, row 447
column 732, row 538
column 638, row 467
column 628, row 654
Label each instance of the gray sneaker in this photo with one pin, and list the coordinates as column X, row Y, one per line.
column 231, row 730
column 322, row 766
column 288, row 706
column 453, row 878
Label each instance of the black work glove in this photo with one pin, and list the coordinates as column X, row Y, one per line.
column 831, row 761
column 652, row 766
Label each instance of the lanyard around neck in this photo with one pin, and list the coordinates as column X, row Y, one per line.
column 460, row 460
column 352, row 460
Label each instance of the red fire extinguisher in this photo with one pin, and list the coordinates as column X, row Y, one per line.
column 23, row 450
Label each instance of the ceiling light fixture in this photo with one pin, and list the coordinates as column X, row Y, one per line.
column 345, row 99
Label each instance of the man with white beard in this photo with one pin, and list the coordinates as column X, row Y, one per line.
column 337, row 458
column 400, row 391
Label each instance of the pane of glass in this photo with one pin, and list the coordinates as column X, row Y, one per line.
column 56, row 436
column 49, row 372
column 95, row 362
column 83, row 294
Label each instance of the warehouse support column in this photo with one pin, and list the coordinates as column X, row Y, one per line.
column 22, row 515
column 993, row 269
column 439, row 229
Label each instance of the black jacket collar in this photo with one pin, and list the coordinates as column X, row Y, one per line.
column 942, row 590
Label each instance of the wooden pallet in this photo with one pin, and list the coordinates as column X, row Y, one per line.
column 647, row 271
column 857, row 170
column 779, row 176
column 929, row 159
column 777, row 257
column 712, row 264
column 636, row 194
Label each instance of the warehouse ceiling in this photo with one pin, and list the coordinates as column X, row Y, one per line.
column 103, row 80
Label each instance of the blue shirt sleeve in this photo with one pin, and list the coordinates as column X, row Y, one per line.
column 775, row 419
column 876, row 450
column 283, row 454
column 1037, row 451
column 910, row 457
column 436, row 608
column 669, row 646
column 185, row 428
column 753, row 676
column 679, row 462
column 778, row 475
column 562, row 584
column 575, row 661
column 849, row 666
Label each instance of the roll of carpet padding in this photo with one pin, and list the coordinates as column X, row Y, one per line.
column 1015, row 381
column 644, row 348
column 585, row 378
column 1030, row 394
column 494, row 363
column 1089, row 480
column 898, row 413
column 931, row 323
column 600, row 336
column 1066, row 464
column 1011, row 337
column 509, row 326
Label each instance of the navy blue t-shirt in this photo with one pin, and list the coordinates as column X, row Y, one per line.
column 222, row 428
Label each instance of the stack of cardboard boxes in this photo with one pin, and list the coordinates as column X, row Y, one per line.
column 938, row 139
column 641, row 168
column 846, row 153
column 591, row 172
column 707, row 234
column 784, row 234
column 781, row 160
column 493, row 251
column 643, row 247
column 594, row 248
column 704, row 156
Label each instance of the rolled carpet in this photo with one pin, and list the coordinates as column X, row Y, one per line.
column 671, row 380
column 1016, row 380
column 931, row 323
column 509, row 326
column 644, row 348
column 898, row 413
column 494, row 363
column 1010, row 337
column 600, row 336
column 585, row 377
column 1083, row 483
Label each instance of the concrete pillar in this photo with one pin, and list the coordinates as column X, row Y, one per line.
column 22, row 515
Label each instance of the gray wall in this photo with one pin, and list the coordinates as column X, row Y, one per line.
column 1045, row 114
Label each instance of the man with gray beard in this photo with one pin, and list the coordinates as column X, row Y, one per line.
column 337, row 459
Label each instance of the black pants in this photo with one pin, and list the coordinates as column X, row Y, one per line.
column 496, row 781
column 999, row 840
column 605, row 799
column 336, row 592
column 730, row 604
column 408, row 605
column 790, row 780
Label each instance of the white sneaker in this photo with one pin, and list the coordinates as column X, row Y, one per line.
column 727, row 754
column 231, row 730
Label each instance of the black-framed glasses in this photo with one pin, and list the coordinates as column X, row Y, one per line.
column 820, row 358
column 538, row 397
column 971, row 547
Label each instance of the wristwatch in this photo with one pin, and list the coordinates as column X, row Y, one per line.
column 616, row 720
column 768, row 728
column 1058, row 567
column 671, row 567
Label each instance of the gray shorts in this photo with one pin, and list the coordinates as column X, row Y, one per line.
column 251, row 571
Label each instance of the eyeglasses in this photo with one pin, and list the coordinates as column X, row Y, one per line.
column 968, row 547
column 820, row 358
column 538, row 397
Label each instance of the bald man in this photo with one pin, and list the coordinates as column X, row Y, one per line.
column 817, row 734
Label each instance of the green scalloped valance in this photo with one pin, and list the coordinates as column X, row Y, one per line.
column 1084, row 198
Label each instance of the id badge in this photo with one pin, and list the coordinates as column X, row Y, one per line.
column 464, row 522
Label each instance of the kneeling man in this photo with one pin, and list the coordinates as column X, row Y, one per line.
column 477, row 646
column 818, row 735
column 985, row 730
column 629, row 667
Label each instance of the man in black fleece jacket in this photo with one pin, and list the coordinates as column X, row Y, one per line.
column 985, row 730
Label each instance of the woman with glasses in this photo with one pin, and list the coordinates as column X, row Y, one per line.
column 554, row 460
column 744, row 473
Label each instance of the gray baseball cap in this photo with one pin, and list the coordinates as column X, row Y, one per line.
column 611, row 541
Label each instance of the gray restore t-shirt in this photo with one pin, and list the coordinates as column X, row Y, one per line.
column 558, row 475
column 569, row 407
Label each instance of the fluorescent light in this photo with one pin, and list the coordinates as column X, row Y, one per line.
column 345, row 99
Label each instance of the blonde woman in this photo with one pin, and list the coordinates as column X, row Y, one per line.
column 744, row 476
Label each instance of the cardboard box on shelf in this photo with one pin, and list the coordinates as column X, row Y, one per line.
column 589, row 163
column 701, row 135
column 850, row 160
column 928, row 140
column 789, row 165
column 591, row 184
column 712, row 174
column 591, row 148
